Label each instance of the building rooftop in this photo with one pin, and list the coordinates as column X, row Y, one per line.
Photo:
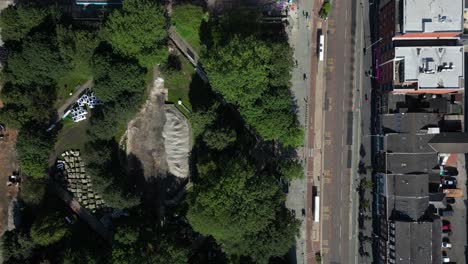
column 429, row 67
column 408, row 143
column 416, row 242
column 410, row 122
column 450, row 142
column 432, row 16
column 411, row 163
column 407, row 196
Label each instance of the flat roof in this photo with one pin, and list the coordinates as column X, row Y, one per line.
column 432, row 16
column 429, row 67
column 408, row 143
column 415, row 242
column 410, row 122
column 411, row 163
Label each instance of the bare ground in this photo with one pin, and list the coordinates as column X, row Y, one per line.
column 156, row 140
column 8, row 164
column 145, row 143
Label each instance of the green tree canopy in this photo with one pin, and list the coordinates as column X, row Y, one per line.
column 138, row 30
column 34, row 145
column 33, row 191
column 273, row 117
column 16, row 246
column 48, row 229
column 240, row 70
column 26, row 104
column 273, row 241
column 290, row 169
column 219, row 139
column 232, row 201
column 37, row 62
column 16, row 21
column 115, row 77
column 76, row 46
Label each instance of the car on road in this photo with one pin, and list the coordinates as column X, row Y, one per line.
column 446, row 245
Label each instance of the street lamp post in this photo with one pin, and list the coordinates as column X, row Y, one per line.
column 365, row 48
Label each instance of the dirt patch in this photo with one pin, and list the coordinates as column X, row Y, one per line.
column 8, row 164
column 145, row 143
column 158, row 145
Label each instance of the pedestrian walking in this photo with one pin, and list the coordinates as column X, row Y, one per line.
column 305, row 76
column 307, row 15
column 296, row 63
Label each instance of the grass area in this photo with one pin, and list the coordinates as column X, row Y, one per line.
column 66, row 85
column 71, row 136
column 187, row 20
column 178, row 84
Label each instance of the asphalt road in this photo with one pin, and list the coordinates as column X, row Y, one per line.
column 345, row 95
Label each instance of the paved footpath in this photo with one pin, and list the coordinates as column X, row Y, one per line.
column 314, row 137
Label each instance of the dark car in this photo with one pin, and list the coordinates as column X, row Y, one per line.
column 445, row 213
column 450, row 171
column 450, row 200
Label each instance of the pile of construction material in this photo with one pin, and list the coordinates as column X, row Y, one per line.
column 71, row 175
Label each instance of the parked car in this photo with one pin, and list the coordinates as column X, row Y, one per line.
column 446, row 227
column 450, row 171
column 449, row 181
column 445, row 259
column 447, row 231
column 445, row 212
column 446, row 245
column 450, row 200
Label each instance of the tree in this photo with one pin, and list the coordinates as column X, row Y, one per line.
column 32, row 191
column 219, row 139
column 169, row 252
column 138, row 30
column 290, row 169
column 76, row 46
column 233, row 201
column 48, row 229
column 240, row 70
column 203, row 118
column 115, row 76
column 16, row 247
column 34, row 146
column 38, row 62
column 17, row 21
column 26, row 104
column 273, row 241
column 273, row 118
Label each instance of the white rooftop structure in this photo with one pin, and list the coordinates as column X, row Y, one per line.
column 426, row 16
column 429, row 67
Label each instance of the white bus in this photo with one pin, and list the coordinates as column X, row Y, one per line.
column 321, row 47
column 316, row 209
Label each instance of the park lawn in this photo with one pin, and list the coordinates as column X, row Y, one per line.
column 187, row 20
column 178, row 84
column 66, row 85
column 72, row 136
